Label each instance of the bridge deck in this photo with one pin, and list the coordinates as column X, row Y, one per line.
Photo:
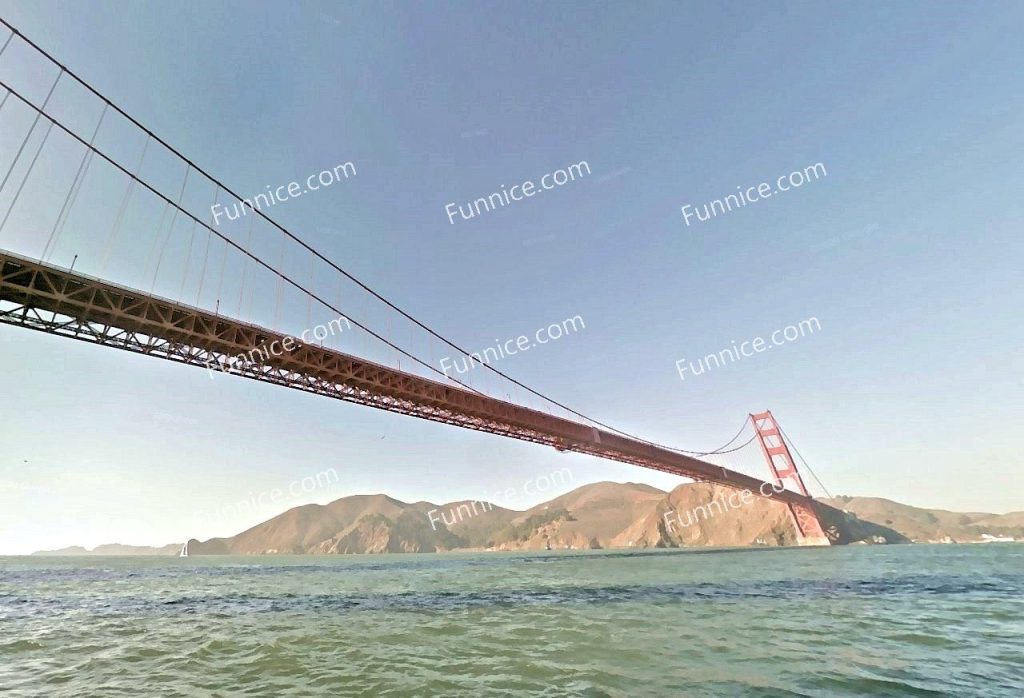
column 49, row 299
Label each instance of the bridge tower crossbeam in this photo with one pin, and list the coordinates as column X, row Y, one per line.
column 780, row 461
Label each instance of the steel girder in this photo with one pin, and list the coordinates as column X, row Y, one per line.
column 49, row 299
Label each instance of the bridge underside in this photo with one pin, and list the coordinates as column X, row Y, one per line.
column 45, row 298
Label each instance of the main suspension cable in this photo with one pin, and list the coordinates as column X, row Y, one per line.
column 282, row 277
column 804, row 461
column 314, row 252
column 227, row 240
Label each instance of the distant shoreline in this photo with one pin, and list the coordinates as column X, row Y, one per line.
column 596, row 516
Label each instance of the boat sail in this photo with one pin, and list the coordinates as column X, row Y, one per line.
column 184, row 550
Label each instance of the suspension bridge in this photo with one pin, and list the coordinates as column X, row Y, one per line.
column 116, row 246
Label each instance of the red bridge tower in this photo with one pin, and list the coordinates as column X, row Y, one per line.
column 780, row 461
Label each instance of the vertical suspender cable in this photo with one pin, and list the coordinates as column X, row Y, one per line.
column 206, row 254
column 122, row 208
column 39, row 115
column 188, row 261
column 279, row 284
column 341, row 281
column 170, row 230
column 7, row 42
column 69, row 200
column 309, row 298
column 220, row 281
column 245, row 265
column 156, row 243
column 24, row 179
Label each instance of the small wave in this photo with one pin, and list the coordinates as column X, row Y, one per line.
column 702, row 592
column 16, row 646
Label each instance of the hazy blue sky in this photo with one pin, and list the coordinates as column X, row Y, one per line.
column 909, row 252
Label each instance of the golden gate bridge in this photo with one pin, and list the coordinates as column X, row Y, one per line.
column 147, row 207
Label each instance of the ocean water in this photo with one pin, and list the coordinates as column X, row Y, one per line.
column 846, row 621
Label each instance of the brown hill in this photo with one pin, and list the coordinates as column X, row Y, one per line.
column 478, row 523
column 686, row 517
column 705, row 514
column 927, row 525
column 615, row 515
column 357, row 524
column 1011, row 524
column 599, row 515
column 590, row 516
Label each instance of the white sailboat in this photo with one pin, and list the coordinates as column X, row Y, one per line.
column 184, row 550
